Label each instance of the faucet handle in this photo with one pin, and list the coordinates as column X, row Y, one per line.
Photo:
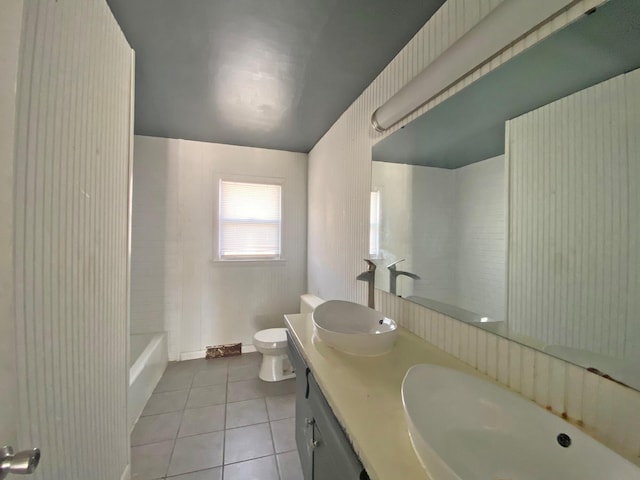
column 392, row 266
column 372, row 266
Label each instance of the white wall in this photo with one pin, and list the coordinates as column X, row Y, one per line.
column 573, row 215
column 71, row 229
column 417, row 207
column 176, row 285
column 339, row 176
column 480, row 237
column 632, row 346
column 433, row 233
column 450, row 227
column 156, row 291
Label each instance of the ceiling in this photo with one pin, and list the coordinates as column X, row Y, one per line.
column 261, row 73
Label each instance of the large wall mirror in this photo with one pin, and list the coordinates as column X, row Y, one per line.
column 515, row 203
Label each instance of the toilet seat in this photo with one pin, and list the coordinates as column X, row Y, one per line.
column 271, row 338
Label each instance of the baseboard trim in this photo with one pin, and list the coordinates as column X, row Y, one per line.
column 192, row 355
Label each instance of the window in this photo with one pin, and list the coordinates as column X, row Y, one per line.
column 249, row 221
column 374, row 222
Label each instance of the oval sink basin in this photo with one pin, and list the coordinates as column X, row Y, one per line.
column 354, row 328
column 465, row 428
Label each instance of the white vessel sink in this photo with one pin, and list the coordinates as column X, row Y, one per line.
column 354, row 328
column 465, row 428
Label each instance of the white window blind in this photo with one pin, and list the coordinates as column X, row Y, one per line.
column 249, row 220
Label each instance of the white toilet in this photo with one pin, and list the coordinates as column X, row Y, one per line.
column 272, row 344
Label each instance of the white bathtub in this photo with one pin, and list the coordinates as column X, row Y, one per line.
column 148, row 360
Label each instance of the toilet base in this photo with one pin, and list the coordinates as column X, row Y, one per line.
column 275, row 368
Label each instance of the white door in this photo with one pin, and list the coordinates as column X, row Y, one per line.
column 65, row 139
column 10, row 30
column 10, row 26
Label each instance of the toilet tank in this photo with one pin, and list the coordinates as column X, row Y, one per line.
column 309, row 302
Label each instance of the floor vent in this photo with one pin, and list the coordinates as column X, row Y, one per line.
column 231, row 350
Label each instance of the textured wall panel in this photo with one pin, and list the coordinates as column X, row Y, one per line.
column 632, row 85
column 417, row 207
column 72, row 238
column 449, row 225
column 339, row 174
column 570, row 210
column 480, row 237
column 155, row 256
column 176, row 285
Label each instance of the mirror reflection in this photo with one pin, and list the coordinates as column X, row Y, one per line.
column 533, row 231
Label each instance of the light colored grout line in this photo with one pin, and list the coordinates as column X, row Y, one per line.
column 273, row 444
column 256, row 458
column 249, row 425
column 175, row 440
column 224, row 439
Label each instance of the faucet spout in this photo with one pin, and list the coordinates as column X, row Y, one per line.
column 369, row 276
column 394, row 273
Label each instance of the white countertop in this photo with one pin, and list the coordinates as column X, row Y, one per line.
column 364, row 394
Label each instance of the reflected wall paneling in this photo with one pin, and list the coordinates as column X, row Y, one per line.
column 569, row 268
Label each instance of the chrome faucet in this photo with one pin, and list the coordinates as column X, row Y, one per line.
column 370, row 277
column 394, row 274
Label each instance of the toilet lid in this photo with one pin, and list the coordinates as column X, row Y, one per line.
column 272, row 335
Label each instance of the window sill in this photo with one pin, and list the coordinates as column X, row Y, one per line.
column 249, row 262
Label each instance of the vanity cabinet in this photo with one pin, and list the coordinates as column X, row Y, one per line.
column 324, row 450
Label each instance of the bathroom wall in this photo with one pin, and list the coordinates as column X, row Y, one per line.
column 176, row 284
column 432, row 227
column 417, row 212
column 73, row 132
column 156, row 292
column 632, row 347
column 574, row 189
column 339, row 227
column 450, row 227
column 480, row 237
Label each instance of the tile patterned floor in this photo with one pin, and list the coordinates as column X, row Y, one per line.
column 215, row 420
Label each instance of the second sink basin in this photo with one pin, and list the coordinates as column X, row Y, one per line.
column 354, row 328
column 465, row 428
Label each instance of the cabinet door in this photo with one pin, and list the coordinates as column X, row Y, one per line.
column 333, row 455
column 304, row 435
column 325, row 466
column 304, row 415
